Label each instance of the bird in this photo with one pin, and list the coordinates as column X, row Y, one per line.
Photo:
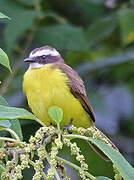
column 49, row 81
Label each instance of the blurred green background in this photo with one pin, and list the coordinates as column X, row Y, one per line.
column 96, row 38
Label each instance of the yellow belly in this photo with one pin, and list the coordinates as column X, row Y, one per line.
column 46, row 87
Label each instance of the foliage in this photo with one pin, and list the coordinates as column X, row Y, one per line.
column 2, row 16
column 37, row 146
column 96, row 38
column 56, row 114
column 11, row 122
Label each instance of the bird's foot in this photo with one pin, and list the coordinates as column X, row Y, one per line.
column 44, row 137
column 68, row 127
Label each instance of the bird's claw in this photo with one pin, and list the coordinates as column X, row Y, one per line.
column 68, row 127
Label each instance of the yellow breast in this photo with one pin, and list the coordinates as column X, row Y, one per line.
column 46, row 87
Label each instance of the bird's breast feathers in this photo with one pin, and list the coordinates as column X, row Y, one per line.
column 48, row 86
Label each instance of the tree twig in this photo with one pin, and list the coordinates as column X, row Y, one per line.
column 9, row 79
column 75, row 167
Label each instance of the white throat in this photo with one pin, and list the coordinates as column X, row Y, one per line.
column 35, row 65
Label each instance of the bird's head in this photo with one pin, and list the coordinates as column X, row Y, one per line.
column 43, row 55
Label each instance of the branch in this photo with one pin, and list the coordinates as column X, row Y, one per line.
column 12, row 132
column 48, row 159
column 9, row 139
column 9, row 79
column 75, row 167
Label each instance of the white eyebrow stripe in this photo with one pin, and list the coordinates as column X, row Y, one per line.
column 45, row 52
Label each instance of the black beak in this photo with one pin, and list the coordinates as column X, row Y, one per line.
column 29, row 60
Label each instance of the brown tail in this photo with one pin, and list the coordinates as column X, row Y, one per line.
column 101, row 136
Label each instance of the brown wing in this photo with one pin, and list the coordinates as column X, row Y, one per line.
column 76, row 87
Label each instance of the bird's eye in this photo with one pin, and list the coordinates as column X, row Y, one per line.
column 44, row 57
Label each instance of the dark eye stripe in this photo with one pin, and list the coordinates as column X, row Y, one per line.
column 48, row 59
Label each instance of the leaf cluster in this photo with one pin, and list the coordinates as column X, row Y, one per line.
column 38, row 146
column 94, row 37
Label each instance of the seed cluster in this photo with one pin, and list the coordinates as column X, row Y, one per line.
column 42, row 147
column 75, row 150
column 92, row 132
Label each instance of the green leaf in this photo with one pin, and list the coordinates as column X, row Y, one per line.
column 102, row 178
column 125, row 169
column 101, row 29
column 2, row 16
column 22, row 20
column 2, row 128
column 5, row 123
column 90, row 10
column 3, row 101
column 13, row 112
column 27, row 2
column 14, row 124
column 73, row 58
column 126, row 17
column 26, row 22
column 56, row 114
column 63, row 37
column 4, row 60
